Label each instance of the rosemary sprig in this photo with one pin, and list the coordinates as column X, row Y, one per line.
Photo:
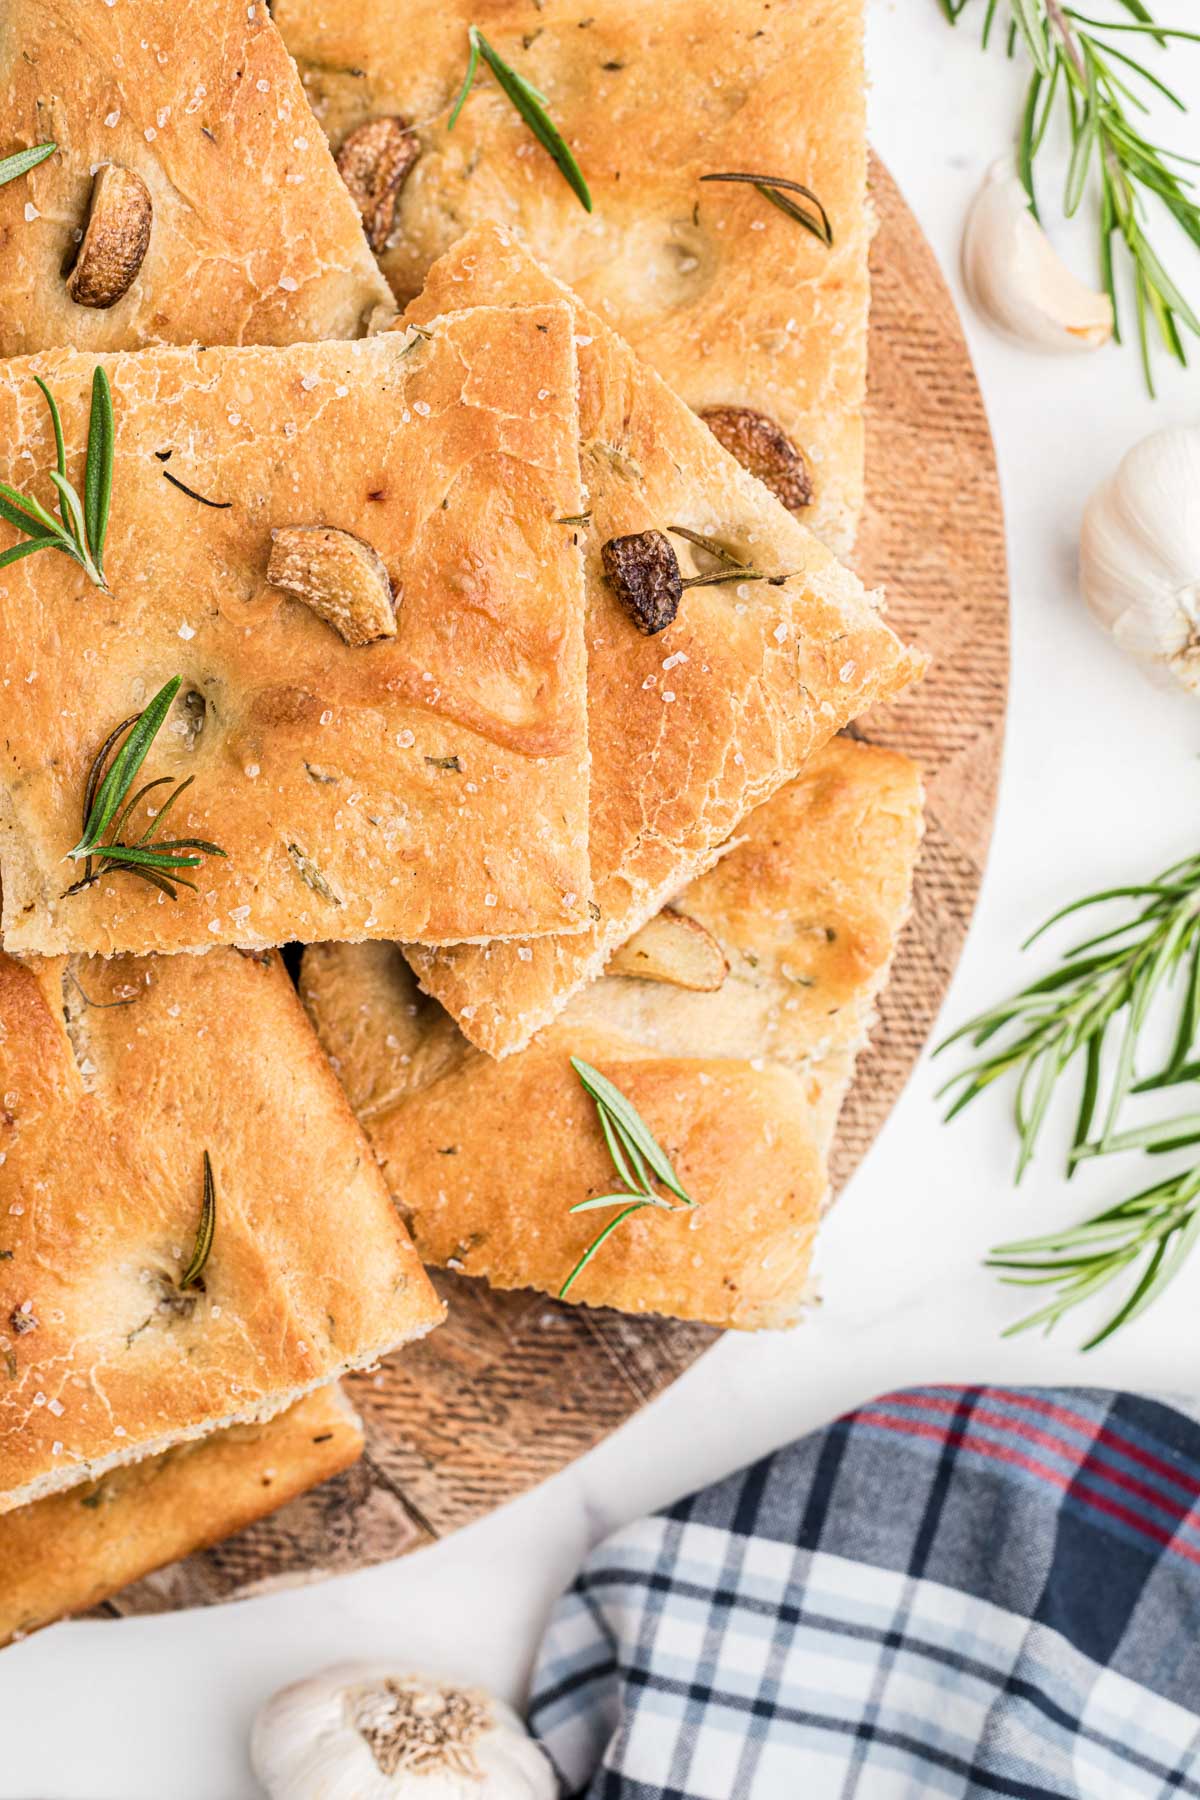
column 632, row 1146
column 1157, row 1227
column 1094, row 1007
column 105, row 804
column 205, row 1232
column 1095, row 85
column 777, row 189
column 22, row 161
column 82, row 525
column 530, row 104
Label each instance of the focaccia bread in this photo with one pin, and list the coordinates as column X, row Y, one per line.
column 741, row 1085
column 692, row 727
column 72, row 1550
column 118, row 1076
column 734, row 302
column 432, row 784
column 252, row 238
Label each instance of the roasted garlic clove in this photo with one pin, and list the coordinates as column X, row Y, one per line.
column 764, row 448
column 342, row 579
column 115, row 239
column 674, row 948
column 1016, row 278
column 374, row 162
column 643, row 571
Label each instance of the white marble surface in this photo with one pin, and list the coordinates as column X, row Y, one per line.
column 1101, row 781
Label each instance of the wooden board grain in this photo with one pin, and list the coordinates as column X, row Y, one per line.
column 515, row 1386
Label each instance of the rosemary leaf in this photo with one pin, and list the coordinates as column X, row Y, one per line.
column 108, row 805
column 125, row 765
column 22, row 161
column 595, row 1244
column 80, row 529
column 98, row 475
column 631, row 1123
column 776, row 189
column 530, row 104
column 630, row 1142
column 205, row 1233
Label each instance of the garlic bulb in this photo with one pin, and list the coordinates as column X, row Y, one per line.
column 363, row 1731
column 1139, row 553
column 1016, row 278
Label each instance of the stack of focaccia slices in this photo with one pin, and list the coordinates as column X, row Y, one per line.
column 493, row 649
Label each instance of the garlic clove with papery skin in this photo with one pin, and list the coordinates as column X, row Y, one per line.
column 1017, row 279
column 1139, row 554
column 372, row 1731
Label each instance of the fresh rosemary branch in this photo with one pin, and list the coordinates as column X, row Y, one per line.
column 149, row 857
column 1099, row 88
column 1094, row 1007
column 777, row 189
column 82, row 526
column 1157, row 1227
column 631, row 1145
column 205, row 1232
column 22, row 161
column 530, row 104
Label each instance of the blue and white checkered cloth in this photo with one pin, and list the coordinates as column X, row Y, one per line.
column 952, row 1591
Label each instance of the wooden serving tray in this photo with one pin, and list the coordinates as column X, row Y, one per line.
column 515, row 1386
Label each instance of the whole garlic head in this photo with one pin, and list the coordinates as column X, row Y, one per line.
column 1139, row 554
column 1017, row 279
column 364, row 1731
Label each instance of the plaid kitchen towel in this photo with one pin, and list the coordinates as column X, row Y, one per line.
column 952, row 1591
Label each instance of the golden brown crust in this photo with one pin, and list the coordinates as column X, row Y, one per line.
column 433, row 785
column 732, row 302
column 692, row 727
column 254, row 238
column 70, row 1551
column 741, row 1086
column 118, row 1075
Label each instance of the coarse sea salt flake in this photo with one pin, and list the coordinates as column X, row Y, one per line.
column 779, row 633
column 186, row 631
column 112, row 118
column 31, row 212
column 288, row 284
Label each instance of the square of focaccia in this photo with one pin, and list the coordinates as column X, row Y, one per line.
column 72, row 1550
column 731, row 300
column 688, row 729
column 432, row 784
column 253, row 238
column 118, row 1075
column 741, row 1084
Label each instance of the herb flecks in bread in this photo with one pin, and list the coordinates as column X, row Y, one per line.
column 742, row 1084
column 450, row 453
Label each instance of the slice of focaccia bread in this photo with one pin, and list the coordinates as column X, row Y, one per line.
column 185, row 146
column 734, row 302
column 689, row 728
column 430, row 784
column 741, row 1084
column 134, row 1316
column 72, row 1550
